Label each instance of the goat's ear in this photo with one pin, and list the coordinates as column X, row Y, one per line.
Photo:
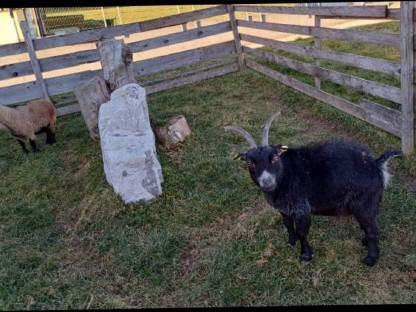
column 276, row 153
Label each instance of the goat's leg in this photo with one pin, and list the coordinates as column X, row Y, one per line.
column 290, row 226
column 364, row 241
column 369, row 224
column 23, row 145
column 303, row 223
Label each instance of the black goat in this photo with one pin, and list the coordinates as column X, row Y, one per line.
column 332, row 178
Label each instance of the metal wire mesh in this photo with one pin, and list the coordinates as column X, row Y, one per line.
column 62, row 20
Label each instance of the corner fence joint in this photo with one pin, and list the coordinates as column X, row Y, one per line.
column 237, row 40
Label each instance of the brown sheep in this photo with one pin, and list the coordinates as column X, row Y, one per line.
column 24, row 122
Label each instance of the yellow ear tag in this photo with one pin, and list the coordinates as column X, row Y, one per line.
column 236, row 156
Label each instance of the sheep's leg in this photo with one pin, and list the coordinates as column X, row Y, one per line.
column 23, row 145
column 369, row 224
column 303, row 223
column 290, row 226
column 33, row 145
column 50, row 136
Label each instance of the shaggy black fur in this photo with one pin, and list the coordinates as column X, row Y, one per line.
column 332, row 178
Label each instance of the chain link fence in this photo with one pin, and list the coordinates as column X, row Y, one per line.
column 61, row 20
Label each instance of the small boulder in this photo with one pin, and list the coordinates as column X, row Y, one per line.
column 175, row 131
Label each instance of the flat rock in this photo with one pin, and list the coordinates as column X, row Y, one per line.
column 128, row 145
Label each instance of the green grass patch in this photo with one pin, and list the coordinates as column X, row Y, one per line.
column 68, row 242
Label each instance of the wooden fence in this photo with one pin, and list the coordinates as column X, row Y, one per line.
column 400, row 123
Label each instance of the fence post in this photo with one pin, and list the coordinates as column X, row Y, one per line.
column 237, row 40
column 103, row 14
column 317, row 43
column 33, row 59
column 119, row 15
column 407, row 76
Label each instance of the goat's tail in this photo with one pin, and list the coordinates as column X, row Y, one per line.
column 387, row 156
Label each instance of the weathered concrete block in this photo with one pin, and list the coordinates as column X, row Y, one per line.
column 128, row 145
column 176, row 131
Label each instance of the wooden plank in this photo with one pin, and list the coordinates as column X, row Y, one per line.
column 391, row 119
column 90, row 56
column 364, row 62
column 68, row 60
column 338, row 102
column 20, row 93
column 230, row 9
column 208, row 74
column 192, row 34
column 69, row 109
column 86, row 36
column 328, row 33
column 393, row 14
column 15, row 70
column 12, row 49
column 317, row 45
column 111, row 32
column 29, row 91
column 191, row 72
column 407, row 76
column 347, row 11
column 178, row 19
column 374, row 88
column 50, row 63
column 180, row 59
column 33, row 59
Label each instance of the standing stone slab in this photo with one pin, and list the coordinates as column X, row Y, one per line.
column 90, row 95
column 116, row 61
column 128, row 145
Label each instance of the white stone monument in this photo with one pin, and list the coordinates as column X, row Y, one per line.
column 128, row 145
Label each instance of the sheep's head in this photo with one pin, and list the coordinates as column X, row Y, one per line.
column 263, row 163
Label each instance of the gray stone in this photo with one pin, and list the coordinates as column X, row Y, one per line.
column 128, row 145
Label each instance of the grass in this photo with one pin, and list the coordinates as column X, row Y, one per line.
column 67, row 241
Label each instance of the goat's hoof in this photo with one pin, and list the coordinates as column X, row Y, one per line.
column 370, row 261
column 291, row 242
column 306, row 257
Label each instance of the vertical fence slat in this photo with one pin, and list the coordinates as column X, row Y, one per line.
column 317, row 43
column 33, row 59
column 407, row 76
column 231, row 13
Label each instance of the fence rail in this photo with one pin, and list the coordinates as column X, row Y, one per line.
column 238, row 46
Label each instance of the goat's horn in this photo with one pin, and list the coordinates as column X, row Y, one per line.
column 266, row 127
column 244, row 133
